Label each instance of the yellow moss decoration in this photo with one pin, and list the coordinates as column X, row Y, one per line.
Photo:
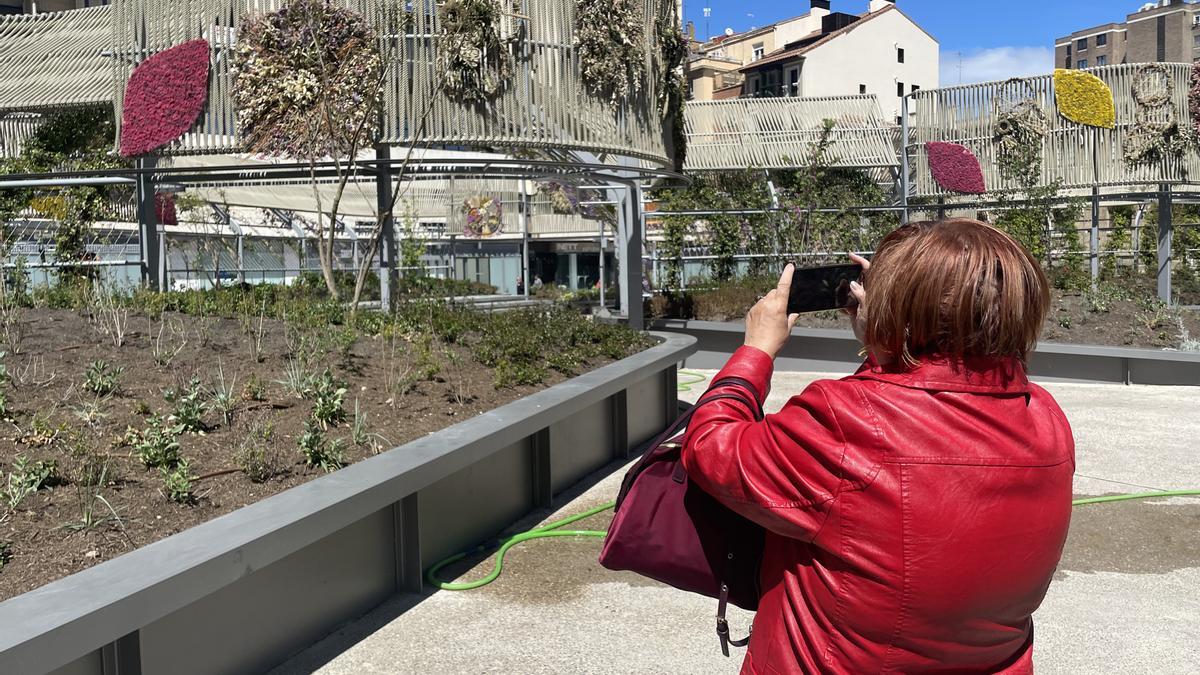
column 51, row 207
column 1084, row 98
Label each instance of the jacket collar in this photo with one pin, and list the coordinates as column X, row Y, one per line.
column 935, row 373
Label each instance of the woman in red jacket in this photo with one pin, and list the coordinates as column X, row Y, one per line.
column 916, row 510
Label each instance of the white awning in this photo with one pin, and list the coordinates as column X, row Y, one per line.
column 55, row 60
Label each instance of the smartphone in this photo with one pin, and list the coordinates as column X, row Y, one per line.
column 816, row 289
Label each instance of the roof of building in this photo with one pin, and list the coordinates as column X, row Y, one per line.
column 816, row 39
column 55, row 60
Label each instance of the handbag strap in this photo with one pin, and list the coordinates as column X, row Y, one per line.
column 723, row 625
column 719, row 390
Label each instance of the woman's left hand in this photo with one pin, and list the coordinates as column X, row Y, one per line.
column 768, row 325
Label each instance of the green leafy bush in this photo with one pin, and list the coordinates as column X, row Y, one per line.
column 102, row 379
column 328, row 396
column 177, row 482
column 318, row 452
column 158, row 445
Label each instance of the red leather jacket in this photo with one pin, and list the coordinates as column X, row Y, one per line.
column 914, row 519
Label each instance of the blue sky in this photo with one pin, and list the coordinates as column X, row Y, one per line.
column 997, row 39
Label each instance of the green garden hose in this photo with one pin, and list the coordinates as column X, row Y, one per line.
column 551, row 530
column 694, row 378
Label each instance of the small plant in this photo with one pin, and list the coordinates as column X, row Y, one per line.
column 27, row 478
column 5, row 553
column 33, row 373
column 223, row 398
column 298, row 380
column 318, row 452
column 12, row 324
column 140, row 408
column 165, row 347
column 1065, row 321
column 1186, row 342
column 328, row 395
column 188, row 412
column 158, row 445
column 102, row 379
column 91, row 413
column 93, row 477
column 345, row 340
column 41, row 431
column 254, row 389
column 109, row 316
column 177, row 482
column 256, row 458
column 255, row 332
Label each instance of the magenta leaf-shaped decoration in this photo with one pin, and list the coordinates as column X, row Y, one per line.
column 955, row 167
column 164, row 208
column 164, row 97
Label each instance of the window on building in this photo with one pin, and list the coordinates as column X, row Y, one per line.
column 915, row 89
column 899, row 88
column 1101, row 40
column 1081, row 45
column 1082, row 64
column 1102, row 60
column 758, row 52
column 899, row 55
column 1195, row 21
column 1196, row 40
column 793, row 82
column 862, row 88
column 899, row 120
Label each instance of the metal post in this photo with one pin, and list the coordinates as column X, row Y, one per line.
column 453, row 262
column 631, row 255
column 1165, row 231
column 148, row 232
column 241, row 262
column 602, row 284
column 388, row 276
column 1094, row 240
column 525, row 205
column 904, row 159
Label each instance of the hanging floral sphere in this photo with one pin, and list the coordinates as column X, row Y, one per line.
column 164, row 97
column 610, row 41
column 483, row 216
column 955, row 168
column 307, row 80
column 474, row 58
column 1084, row 98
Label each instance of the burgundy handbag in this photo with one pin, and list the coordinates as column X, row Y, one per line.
column 670, row 530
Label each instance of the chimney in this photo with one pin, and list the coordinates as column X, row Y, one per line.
column 877, row 5
column 691, row 30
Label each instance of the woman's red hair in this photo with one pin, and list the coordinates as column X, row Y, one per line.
column 954, row 288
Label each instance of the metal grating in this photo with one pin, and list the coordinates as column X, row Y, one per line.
column 777, row 133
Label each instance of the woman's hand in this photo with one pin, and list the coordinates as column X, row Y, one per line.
column 768, row 324
column 858, row 311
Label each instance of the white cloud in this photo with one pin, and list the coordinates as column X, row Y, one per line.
column 999, row 63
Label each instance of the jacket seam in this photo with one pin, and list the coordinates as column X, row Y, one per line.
column 844, row 531
column 905, row 588
column 960, row 461
column 841, row 465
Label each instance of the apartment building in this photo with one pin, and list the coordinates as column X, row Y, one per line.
column 822, row 53
column 1166, row 31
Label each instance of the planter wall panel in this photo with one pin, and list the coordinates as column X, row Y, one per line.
column 287, row 603
column 92, row 664
column 647, row 417
column 475, row 503
column 580, row 445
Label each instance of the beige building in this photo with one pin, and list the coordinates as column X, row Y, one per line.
column 822, row 53
column 1166, row 31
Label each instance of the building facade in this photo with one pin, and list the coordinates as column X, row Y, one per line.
column 1167, row 31
column 41, row 6
column 822, row 53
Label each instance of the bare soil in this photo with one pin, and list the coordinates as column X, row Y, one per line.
column 46, row 536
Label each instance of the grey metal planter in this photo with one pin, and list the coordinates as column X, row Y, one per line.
column 241, row 593
column 837, row 351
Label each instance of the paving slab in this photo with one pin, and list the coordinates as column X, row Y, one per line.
column 1124, row 598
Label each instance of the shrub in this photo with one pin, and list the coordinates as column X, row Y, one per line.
column 256, row 456
column 731, row 301
column 158, row 445
column 318, row 452
column 177, row 482
column 27, row 478
column 328, row 396
column 102, row 379
column 189, row 407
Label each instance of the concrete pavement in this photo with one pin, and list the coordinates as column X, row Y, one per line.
column 1125, row 598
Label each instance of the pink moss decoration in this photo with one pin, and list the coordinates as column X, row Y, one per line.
column 955, row 168
column 164, row 97
column 164, row 208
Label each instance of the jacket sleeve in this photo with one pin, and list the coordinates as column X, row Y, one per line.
column 783, row 472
